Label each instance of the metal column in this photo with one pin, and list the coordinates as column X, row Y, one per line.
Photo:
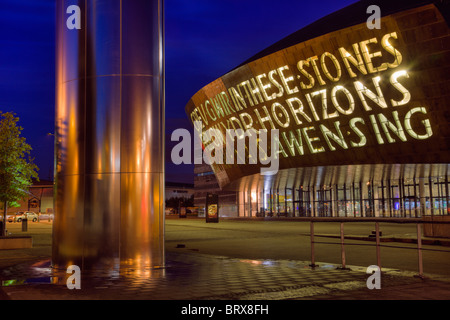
column 109, row 194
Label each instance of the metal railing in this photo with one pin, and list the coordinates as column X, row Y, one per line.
column 378, row 245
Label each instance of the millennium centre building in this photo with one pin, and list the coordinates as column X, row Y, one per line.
column 362, row 113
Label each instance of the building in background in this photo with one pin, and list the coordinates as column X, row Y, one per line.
column 362, row 116
column 39, row 200
column 40, row 196
column 178, row 190
column 205, row 182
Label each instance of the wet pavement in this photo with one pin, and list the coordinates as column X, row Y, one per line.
column 193, row 276
column 191, row 273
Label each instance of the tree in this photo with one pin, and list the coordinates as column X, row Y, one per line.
column 175, row 202
column 16, row 166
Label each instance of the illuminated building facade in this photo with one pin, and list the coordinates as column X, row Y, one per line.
column 362, row 116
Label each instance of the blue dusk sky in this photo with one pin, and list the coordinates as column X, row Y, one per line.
column 204, row 40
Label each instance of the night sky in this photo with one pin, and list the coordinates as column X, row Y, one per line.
column 204, row 40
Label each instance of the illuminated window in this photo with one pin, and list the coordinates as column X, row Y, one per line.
column 348, row 95
column 368, row 56
column 264, row 87
column 363, row 92
column 399, row 87
column 426, row 123
column 336, row 64
column 356, row 60
column 306, row 74
column 294, row 143
column 389, row 48
column 395, row 128
column 276, row 107
column 361, row 135
column 310, row 140
column 286, row 81
column 299, row 110
column 376, row 129
column 339, row 139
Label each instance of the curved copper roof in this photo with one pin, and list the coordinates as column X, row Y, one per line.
column 377, row 106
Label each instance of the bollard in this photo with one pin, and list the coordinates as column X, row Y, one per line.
column 311, row 225
column 24, row 225
column 419, row 250
column 377, row 231
column 342, row 247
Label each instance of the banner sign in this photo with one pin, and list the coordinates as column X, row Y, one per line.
column 212, row 207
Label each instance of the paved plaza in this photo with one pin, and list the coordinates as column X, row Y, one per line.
column 231, row 260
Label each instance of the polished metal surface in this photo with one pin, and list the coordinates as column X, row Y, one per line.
column 340, row 175
column 109, row 195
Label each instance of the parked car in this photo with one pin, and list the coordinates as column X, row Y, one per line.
column 12, row 217
column 29, row 215
column 43, row 216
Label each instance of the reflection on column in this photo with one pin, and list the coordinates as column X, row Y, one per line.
column 109, row 194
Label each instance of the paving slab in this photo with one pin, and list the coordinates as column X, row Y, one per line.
column 194, row 273
column 193, row 276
